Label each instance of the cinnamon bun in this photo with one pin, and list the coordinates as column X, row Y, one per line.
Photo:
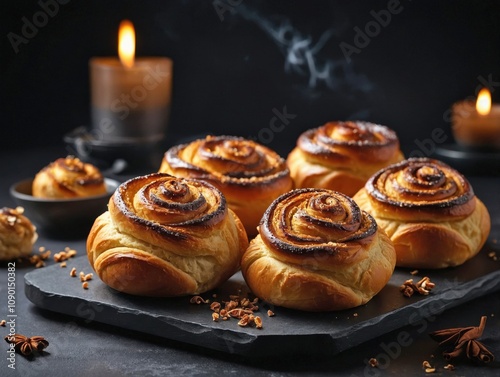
column 249, row 174
column 166, row 236
column 68, row 178
column 429, row 211
column 341, row 156
column 317, row 251
column 17, row 234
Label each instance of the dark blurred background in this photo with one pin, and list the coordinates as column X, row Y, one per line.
column 235, row 61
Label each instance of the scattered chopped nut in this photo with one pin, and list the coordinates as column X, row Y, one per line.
column 239, row 312
column 423, row 286
column 244, row 320
column 414, row 272
column 426, row 364
column 41, row 249
column 242, row 308
column 270, row 313
column 63, row 264
column 3, row 322
column 493, row 255
column 71, row 253
column 231, row 305
column 373, row 362
column 258, row 322
column 85, row 285
column 84, row 276
column 223, row 314
column 215, row 306
column 428, row 367
column 197, row 300
column 64, row 255
column 449, row 367
column 38, row 259
column 72, row 273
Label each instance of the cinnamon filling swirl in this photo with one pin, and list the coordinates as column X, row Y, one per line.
column 378, row 141
column 422, row 184
column 315, row 221
column 168, row 203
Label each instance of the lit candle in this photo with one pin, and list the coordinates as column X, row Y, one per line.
column 130, row 97
column 477, row 125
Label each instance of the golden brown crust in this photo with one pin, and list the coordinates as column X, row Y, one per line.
column 429, row 211
column 249, row 175
column 17, row 234
column 316, row 251
column 68, row 178
column 341, row 156
column 166, row 236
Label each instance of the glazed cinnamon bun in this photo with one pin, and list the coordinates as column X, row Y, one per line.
column 17, row 234
column 317, row 251
column 249, row 174
column 166, row 236
column 429, row 211
column 68, row 178
column 341, row 156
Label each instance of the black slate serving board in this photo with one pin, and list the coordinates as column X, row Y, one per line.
column 288, row 332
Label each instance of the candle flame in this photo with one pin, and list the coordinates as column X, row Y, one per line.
column 126, row 43
column 483, row 103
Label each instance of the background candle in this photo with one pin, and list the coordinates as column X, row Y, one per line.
column 130, row 98
column 477, row 124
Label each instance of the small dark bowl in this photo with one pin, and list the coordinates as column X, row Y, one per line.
column 62, row 217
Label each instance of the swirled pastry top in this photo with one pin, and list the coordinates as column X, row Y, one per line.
column 228, row 160
column 68, row 178
column 336, row 142
column 172, row 207
column 421, row 188
column 312, row 222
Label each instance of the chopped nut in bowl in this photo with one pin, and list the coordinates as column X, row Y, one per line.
column 62, row 217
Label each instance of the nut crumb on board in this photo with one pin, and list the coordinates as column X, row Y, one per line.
column 373, row 362
column 241, row 308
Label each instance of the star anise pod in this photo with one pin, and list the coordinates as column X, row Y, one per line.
column 462, row 341
column 26, row 345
